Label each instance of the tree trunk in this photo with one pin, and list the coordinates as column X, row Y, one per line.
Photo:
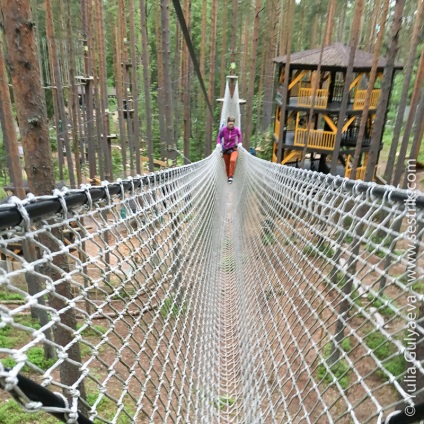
column 32, row 117
column 88, row 46
column 285, row 47
column 404, row 96
column 372, row 78
column 186, row 86
column 252, row 74
column 211, row 90
column 104, row 109
column 9, row 132
column 234, row 24
column 270, row 70
column 386, row 88
column 222, row 78
column 146, row 78
column 354, row 38
column 120, row 96
column 57, row 85
column 74, row 91
column 329, row 26
column 203, row 36
column 134, row 86
column 161, row 84
column 96, row 95
column 167, row 80
column 419, row 82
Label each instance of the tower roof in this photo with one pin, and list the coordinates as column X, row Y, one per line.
column 334, row 56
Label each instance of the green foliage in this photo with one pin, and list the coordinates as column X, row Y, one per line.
column 265, row 145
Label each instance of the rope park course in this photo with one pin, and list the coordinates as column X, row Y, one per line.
column 289, row 296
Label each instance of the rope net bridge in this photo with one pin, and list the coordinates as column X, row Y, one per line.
column 286, row 297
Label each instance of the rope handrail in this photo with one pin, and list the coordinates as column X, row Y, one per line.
column 288, row 295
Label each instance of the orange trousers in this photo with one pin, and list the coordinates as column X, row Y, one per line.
column 230, row 160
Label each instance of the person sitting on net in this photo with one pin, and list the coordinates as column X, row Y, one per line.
column 229, row 139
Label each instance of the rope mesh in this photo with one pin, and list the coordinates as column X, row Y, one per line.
column 288, row 296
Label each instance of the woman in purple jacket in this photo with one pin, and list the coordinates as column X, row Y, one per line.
column 229, row 138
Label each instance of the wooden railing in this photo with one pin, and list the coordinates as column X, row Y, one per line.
column 305, row 98
column 359, row 101
column 319, row 139
column 360, row 173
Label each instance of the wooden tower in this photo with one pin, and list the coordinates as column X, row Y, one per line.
column 323, row 128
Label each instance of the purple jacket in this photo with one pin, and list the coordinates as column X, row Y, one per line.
column 230, row 138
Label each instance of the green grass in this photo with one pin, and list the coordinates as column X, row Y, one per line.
column 381, row 304
column 340, row 369
column 35, row 355
column 323, row 248
column 12, row 413
column 6, row 296
column 172, row 308
column 107, row 409
column 225, row 401
column 383, row 349
column 92, row 331
column 268, row 239
column 418, row 287
column 228, row 263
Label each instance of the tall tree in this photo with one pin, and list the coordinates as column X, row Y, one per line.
column 8, row 127
column 371, row 82
column 419, row 133
column 103, row 118
column 252, row 73
column 386, row 88
column 224, row 26
column 146, row 79
column 161, row 83
column 120, row 93
column 269, row 64
column 419, row 83
column 211, row 91
column 405, row 89
column 186, row 85
column 286, row 48
column 57, row 87
column 354, row 39
column 166, row 55
column 329, row 25
column 134, row 88
column 88, row 87
column 32, row 117
column 74, row 91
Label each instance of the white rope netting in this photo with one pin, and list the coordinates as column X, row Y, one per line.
column 287, row 297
